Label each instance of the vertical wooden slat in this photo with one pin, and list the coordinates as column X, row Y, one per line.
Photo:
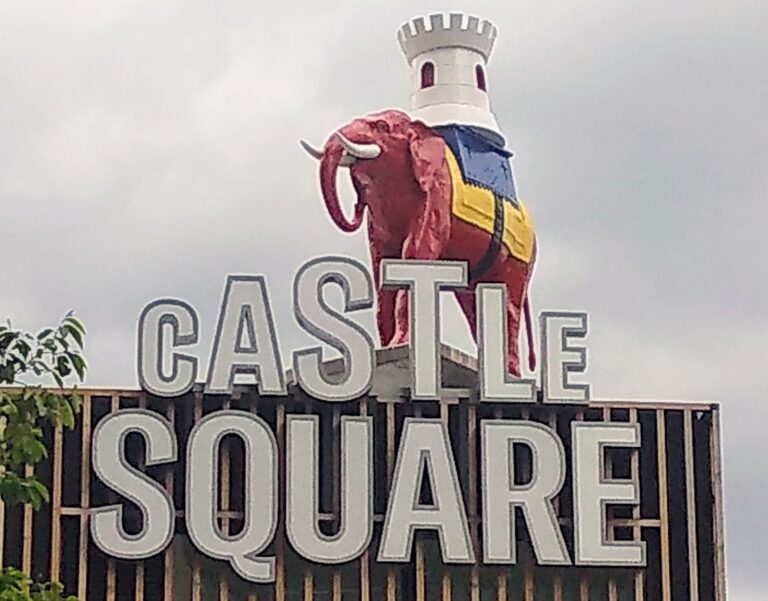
column 139, row 590
column 26, row 545
column 501, row 587
column 528, row 576
column 472, row 481
column 58, row 464
column 225, row 469
column 85, row 498
column 717, row 510
column 390, row 442
column 140, row 567
column 365, row 580
column 583, row 579
column 111, row 590
column 197, row 584
column 613, row 589
column 391, row 575
column 583, row 588
column 528, row 590
column 253, row 407
column 446, row 585
column 336, row 586
column 421, row 577
column 634, row 467
column 308, row 586
column 501, row 577
column 420, row 573
column 280, row 546
column 391, row 585
column 690, row 495
column 661, row 451
column 557, row 579
column 336, row 490
column 168, row 563
column 197, row 580
column 557, row 588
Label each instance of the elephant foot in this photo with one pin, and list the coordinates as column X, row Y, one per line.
column 513, row 367
column 400, row 338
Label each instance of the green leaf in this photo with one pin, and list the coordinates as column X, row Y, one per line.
column 79, row 364
column 75, row 333
column 67, row 416
column 62, row 365
column 35, row 450
column 75, row 322
column 23, row 347
column 44, row 333
column 40, row 490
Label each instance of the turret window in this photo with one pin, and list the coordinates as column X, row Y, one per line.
column 480, row 77
column 427, row 75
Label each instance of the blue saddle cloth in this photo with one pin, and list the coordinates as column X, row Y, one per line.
column 482, row 159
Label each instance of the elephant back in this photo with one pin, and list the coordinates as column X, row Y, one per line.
column 484, row 207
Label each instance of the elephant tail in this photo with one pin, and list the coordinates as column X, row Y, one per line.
column 529, row 334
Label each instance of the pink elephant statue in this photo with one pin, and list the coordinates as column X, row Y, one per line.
column 409, row 182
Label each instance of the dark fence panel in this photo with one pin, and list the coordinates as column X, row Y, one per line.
column 680, row 515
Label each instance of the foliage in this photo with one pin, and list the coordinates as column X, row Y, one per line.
column 24, row 412
column 15, row 586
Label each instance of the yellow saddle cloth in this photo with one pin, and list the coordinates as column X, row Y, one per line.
column 476, row 205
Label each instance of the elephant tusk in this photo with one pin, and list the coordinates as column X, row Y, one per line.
column 347, row 160
column 311, row 150
column 359, row 151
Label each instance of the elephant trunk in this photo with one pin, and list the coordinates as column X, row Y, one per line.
column 329, row 167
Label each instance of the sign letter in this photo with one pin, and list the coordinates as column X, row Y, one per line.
column 303, row 486
column 163, row 371
column 495, row 382
column 425, row 453
column 111, row 467
column 260, row 472
column 592, row 492
column 560, row 359
column 424, row 280
column 329, row 326
column 501, row 495
column 245, row 341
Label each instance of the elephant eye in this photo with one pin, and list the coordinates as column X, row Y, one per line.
column 381, row 126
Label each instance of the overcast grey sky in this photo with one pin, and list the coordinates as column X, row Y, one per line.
column 149, row 149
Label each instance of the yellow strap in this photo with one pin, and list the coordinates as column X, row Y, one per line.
column 475, row 205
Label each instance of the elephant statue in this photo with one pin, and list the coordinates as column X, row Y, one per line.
column 419, row 206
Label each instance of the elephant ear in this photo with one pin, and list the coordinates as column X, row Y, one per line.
column 432, row 228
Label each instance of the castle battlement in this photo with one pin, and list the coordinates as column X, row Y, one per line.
column 456, row 30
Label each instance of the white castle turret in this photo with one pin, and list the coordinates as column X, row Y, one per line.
column 448, row 59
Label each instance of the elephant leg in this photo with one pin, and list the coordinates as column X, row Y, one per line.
column 466, row 300
column 514, row 275
column 402, row 325
column 513, row 334
column 385, row 307
column 430, row 229
column 385, row 315
column 413, row 251
column 385, row 298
